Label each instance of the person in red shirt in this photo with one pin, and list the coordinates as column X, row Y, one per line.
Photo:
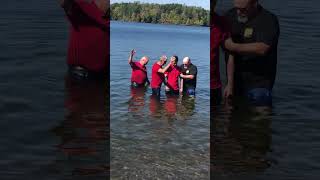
column 139, row 77
column 218, row 34
column 89, row 46
column 158, row 75
column 172, row 75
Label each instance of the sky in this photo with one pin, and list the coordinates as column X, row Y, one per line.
column 200, row 3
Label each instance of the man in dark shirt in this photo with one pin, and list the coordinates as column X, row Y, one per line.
column 189, row 77
column 255, row 33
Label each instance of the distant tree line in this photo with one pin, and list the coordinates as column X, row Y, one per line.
column 159, row 13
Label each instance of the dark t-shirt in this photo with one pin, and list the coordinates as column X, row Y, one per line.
column 190, row 70
column 253, row 71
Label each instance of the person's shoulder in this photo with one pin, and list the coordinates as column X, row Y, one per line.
column 268, row 15
column 193, row 67
column 156, row 65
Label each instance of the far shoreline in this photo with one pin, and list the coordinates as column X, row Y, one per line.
column 189, row 25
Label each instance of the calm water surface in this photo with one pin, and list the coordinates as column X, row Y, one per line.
column 284, row 142
column 166, row 139
column 51, row 127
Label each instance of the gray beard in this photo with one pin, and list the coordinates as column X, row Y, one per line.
column 242, row 19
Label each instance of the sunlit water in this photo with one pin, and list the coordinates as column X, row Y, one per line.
column 164, row 139
column 284, row 142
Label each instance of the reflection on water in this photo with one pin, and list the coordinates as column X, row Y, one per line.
column 160, row 142
column 84, row 131
column 241, row 139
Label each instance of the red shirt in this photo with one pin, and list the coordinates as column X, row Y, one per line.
column 89, row 36
column 173, row 74
column 139, row 73
column 218, row 33
column 157, row 78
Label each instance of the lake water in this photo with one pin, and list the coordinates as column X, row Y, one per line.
column 51, row 127
column 284, row 142
column 158, row 139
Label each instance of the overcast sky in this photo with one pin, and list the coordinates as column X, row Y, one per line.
column 202, row 3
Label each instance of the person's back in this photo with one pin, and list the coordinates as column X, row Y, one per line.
column 89, row 35
column 173, row 74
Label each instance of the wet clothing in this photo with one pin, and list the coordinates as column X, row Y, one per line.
column 189, row 91
column 189, row 70
column 173, row 92
column 260, row 97
column 253, row 71
column 139, row 74
column 173, row 74
column 157, row 78
column 218, row 33
column 89, row 36
column 156, row 91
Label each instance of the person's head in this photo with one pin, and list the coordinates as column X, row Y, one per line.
column 174, row 60
column 104, row 5
column 163, row 60
column 245, row 9
column 144, row 60
column 186, row 61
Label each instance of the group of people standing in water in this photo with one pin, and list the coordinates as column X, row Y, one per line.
column 177, row 79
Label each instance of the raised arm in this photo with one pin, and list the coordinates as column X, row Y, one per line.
column 163, row 70
column 132, row 52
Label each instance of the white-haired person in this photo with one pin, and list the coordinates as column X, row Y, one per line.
column 189, row 77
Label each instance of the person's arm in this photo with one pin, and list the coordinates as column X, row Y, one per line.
column 192, row 75
column 181, row 85
column 257, row 48
column 228, row 91
column 130, row 60
column 92, row 12
column 266, row 38
column 163, row 70
column 187, row 76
